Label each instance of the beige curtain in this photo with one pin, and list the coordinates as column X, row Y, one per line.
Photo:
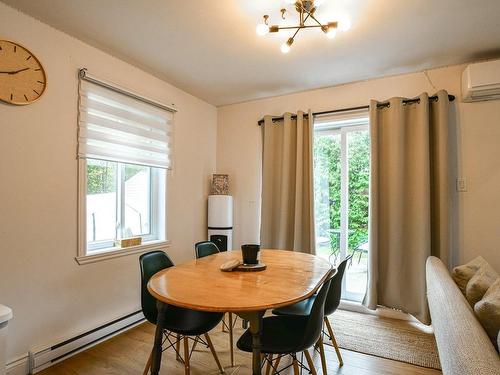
column 287, row 214
column 409, row 201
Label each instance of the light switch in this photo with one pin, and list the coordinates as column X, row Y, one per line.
column 461, row 184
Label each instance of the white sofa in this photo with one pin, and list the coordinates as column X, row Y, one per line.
column 463, row 345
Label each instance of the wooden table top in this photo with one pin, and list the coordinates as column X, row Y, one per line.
column 200, row 284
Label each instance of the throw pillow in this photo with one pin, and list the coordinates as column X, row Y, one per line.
column 480, row 283
column 462, row 274
column 488, row 311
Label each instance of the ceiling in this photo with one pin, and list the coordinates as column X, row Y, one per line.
column 209, row 48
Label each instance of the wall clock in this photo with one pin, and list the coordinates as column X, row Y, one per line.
column 22, row 78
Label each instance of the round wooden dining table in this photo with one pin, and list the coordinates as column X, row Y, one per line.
column 201, row 285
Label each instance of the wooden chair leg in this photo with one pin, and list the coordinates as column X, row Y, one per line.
column 186, row 356
column 310, row 362
column 194, row 344
column 322, row 355
column 268, row 367
column 212, row 349
column 178, row 348
column 295, row 364
column 231, row 350
column 276, row 365
column 334, row 342
column 224, row 323
column 148, row 364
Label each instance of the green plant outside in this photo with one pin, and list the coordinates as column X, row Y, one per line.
column 101, row 175
column 327, row 188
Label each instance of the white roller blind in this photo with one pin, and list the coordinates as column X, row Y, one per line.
column 116, row 127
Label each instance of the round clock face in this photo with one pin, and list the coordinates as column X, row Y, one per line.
column 22, row 78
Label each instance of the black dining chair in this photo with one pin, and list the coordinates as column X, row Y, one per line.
column 284, row 335
column 303, row 308
column 204, row 249
column 180, row 324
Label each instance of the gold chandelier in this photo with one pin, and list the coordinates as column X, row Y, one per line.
column 306, row 10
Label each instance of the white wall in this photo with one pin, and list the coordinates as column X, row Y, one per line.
column 53, row 297
column 477, row 141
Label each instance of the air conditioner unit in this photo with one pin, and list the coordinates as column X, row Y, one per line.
column 481, row 81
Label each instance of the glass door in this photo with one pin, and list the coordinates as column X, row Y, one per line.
column 341, row 178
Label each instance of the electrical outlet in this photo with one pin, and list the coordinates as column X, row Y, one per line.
column 461, row 184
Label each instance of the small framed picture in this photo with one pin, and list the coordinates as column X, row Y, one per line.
column 220, row 184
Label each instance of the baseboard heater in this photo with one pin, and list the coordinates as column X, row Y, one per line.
column 46, row 357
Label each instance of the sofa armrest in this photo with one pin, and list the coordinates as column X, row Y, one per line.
column 463, row 345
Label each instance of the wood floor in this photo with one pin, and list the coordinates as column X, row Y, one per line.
column 127, row 353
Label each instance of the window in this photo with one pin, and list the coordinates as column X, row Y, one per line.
column 124, row 150
column 122, row 201
column 341, row 183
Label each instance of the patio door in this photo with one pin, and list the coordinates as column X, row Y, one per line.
column 341, row 178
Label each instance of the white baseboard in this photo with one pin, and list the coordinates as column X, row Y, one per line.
column 40, row 358
column 19, row 366
column 44, row 357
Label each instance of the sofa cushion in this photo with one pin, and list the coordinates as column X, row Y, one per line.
column 462, row 274
column 463, row 345
column 488, row 311
column 480, row 283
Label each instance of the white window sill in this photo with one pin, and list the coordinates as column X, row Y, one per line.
column 115, row 252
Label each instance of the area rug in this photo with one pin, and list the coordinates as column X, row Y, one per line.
column 404, row 341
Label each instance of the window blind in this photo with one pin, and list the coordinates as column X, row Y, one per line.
column 116, row 127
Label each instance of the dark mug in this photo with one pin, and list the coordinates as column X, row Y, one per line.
column 250, row 253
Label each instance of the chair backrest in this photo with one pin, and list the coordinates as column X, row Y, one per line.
column 335, row 292
column 205, row 248
column 314, row 325
column 151, row 263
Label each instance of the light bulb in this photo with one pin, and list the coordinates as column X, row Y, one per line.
column 344, row 23
column 262, row 29
column 331, row 33
column 330, row 30
column 285, row 48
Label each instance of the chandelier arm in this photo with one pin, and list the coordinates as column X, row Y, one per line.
column 309, row 14
column 295, row 34
column 298, row 27
column 303, row 26
column 319, row 23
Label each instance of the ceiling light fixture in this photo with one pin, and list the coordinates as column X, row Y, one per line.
column 262, row 28
column 306, row 10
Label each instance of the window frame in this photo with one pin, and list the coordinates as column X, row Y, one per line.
column 342, row 130
column 153, row 241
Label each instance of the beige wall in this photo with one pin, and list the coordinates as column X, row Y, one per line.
column 477, row 142
column 53, row 297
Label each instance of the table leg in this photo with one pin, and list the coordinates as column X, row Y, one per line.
column 255, row 320
column 157, row 350
column 231, row 349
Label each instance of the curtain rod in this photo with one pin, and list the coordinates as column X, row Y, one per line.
column 380, row 105
column 86, row 77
